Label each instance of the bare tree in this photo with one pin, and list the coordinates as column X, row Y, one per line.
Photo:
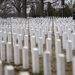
column 17, row 5
column 20, row 6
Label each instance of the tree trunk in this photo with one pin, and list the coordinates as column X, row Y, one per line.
column 42, row 7
column 24, row 8
column 1, row 1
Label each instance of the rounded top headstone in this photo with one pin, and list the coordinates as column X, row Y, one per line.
column 24, row 73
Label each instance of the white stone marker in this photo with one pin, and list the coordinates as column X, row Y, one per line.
column 37, row 33
column 58, row 47
column 73, row 41
column 55, row 27
column 48, row 44
column 9, row 70
column 32, row 42
column 43, row 35
column 40, row 45
column 50, row 35
column 0, row 42
column 35, row 60
column 2, row 50
column 47, row 63
column 40, row 31
column 74, row 28
column 60, row 30
column 69, row 33
column 61, row 64
column 9, row 29
column 24, row 73
column 17, row 32
column 20, row 41
column 25, row 57
column 73, row 65
column 63, row 28
column 9, row 52
column 16, row 54
column 26, row 40
column 5, row 37
column 9, row 36
column 64, row 40
column 69, row 51
column 56, row 35
column 21, row 32
column 26, row 31
column 0, row 36
column 50, row 27
column 0, row 67
column 31, row 33
column 46, row 29
column 14, row 39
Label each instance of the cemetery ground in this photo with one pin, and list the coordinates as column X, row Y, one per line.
column 18, row 68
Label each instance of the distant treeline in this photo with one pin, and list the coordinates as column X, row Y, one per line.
column 51, row 11
column 19, row 7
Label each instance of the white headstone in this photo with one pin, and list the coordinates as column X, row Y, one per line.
column 16, row 54
column 47, row 63
column 9, row 52
column 69, row 51
column 73, row 65
column 48, row 44
column 9, row 36
column 26, row 40
column 20, row 41
column 58, row 47
column 9, row 70
column 73, row 41
column 25, row 57
column 61, row 64
column 0, row 67
column 24, row 73
column 64, row 40
column 14, row 39
column 35, row 60
column 40, row 45
column 2, row 50
column 32, row 42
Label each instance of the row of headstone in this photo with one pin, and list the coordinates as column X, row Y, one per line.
column 67, row 38
column 66, row 30
column 13, row 36
column 38, row 34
